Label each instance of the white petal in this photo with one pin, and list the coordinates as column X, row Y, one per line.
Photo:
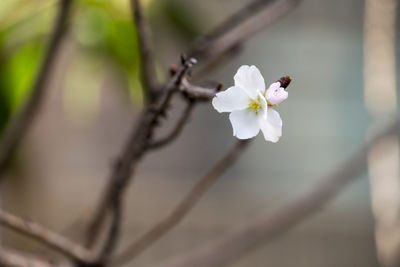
column 264, row 105
column 271, row 126
column 244, row 123
column 250, row 79
column 234, row 98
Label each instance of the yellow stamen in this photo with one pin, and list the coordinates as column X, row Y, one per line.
column 255, row 105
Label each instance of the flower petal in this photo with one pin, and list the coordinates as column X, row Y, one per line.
column 264, row 105
column 276, row 94
column 234, row 98
column 244, row 123
column 271, row 126
column 250, row 79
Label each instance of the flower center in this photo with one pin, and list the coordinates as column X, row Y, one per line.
column 255, row 105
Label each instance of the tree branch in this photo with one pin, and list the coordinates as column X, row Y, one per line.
column 196, row 92
column 224, row 45
column 240, row 26
column 201, row 45
column 178, row 127
column 186, row 205
column 147, row 68
column 45, row 236
column 266, row 228
column 135, row 148
column 113, row 234
column 192, row 94
column 10, row 258
column 21, row 122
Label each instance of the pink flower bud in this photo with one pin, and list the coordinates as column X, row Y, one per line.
column 276, row 94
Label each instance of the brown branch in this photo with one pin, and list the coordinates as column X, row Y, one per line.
column 196, row 92
column 266, row 228
column 113, row 234
column 201, row 45
column 47, row 237
column 134, row 150
column 240, row 26
column 147, row 68
column 186, row 205
column 178, row 127
column 11, row 258
column 192, row 94
column 225, row 45
column 20, row 124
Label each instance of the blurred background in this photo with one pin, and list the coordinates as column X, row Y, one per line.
column 95, row 95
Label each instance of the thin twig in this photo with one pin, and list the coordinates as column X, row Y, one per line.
column 240, row 26
column 20, row 124
column 178, row 127
column 113, row 234
column 47, row 237
column 266, row 228
column 201, row 45
column 147, row 68
column 178, row 213
column 196, row 92
column 192, row 94
column 135, row 148
column 11, row 258
column 224, row 47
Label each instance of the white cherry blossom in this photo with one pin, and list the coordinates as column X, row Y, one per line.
column 250, row 105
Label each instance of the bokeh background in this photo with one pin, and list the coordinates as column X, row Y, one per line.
column 94, row 97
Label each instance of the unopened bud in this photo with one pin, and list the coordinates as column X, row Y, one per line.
column 285, row 81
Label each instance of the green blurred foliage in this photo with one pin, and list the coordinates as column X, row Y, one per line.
column 19, row 71
column 105, row 29
column 104, row 37
column 21, row 49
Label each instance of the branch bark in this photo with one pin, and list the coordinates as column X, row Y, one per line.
column 20, row 124
column 113, row 234
column 45, row 236
column 240, row 26
column 134, row 150
column 178, row 127
column 197, row 92
column 147, row 68
column 183, row 208
column 10, row 258
column 266, row 228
